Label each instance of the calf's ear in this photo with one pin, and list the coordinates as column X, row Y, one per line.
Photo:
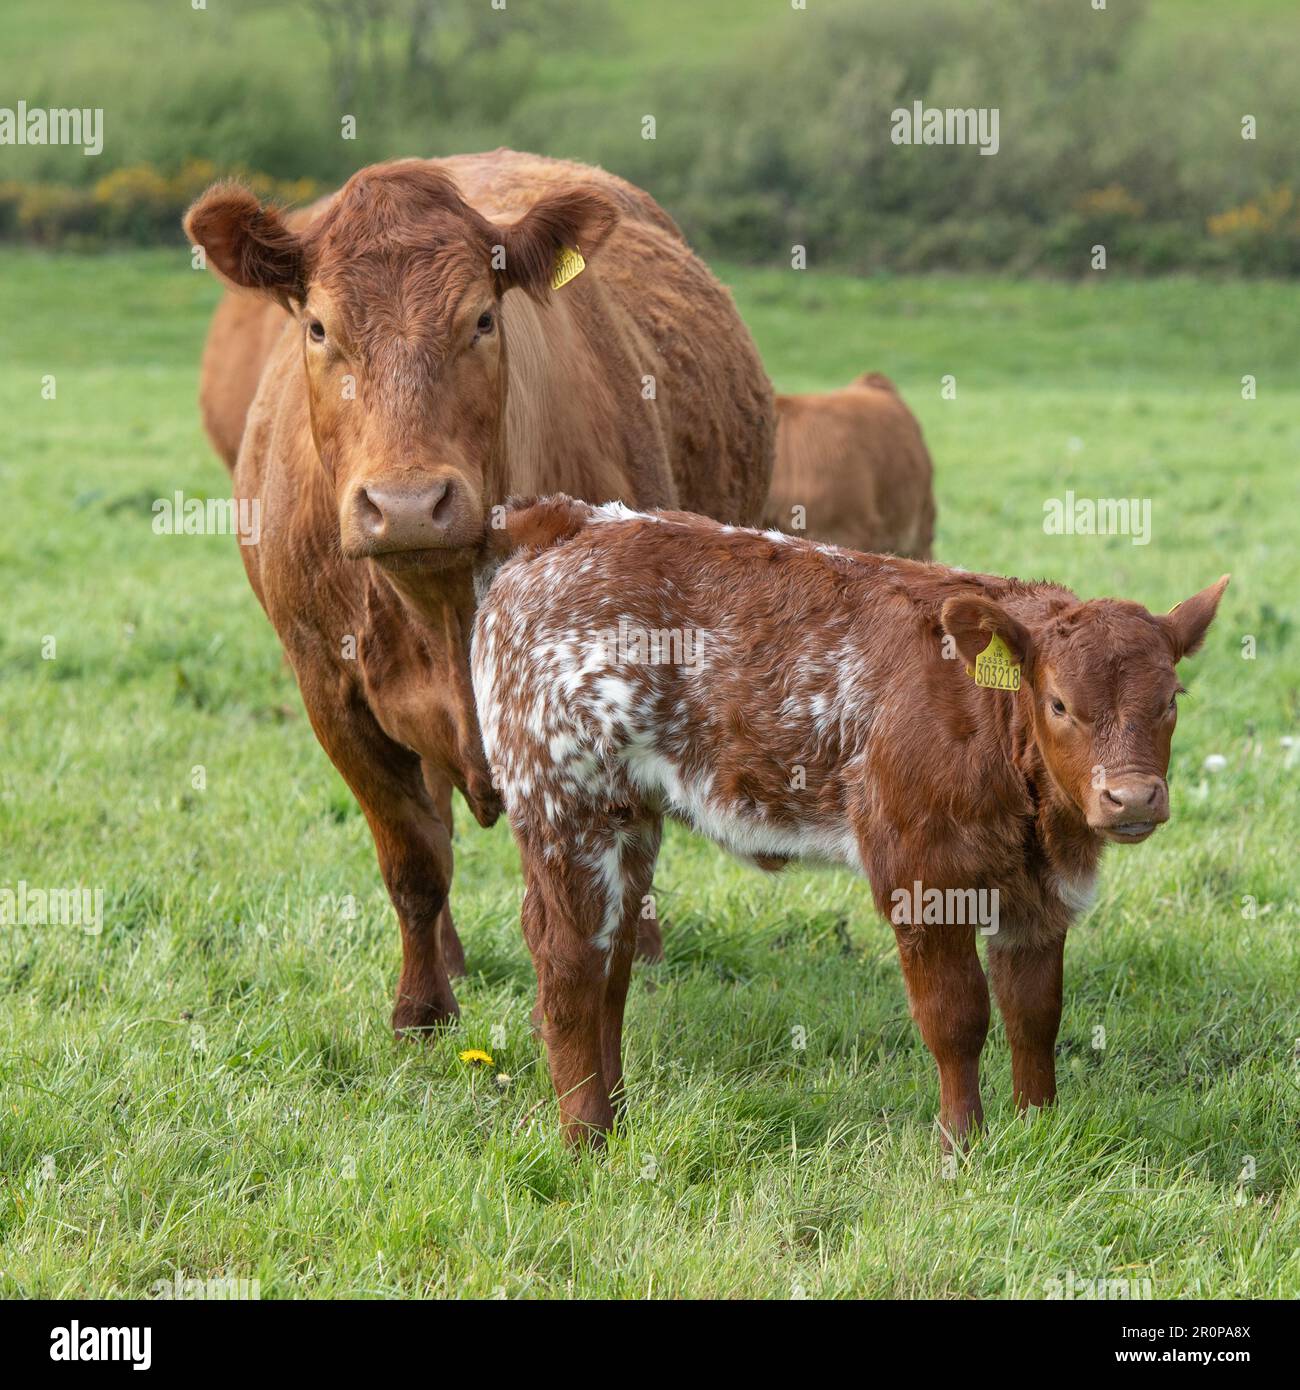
column 972, row 620
column 1187, row 623
column 578, row 219
column 248, row 243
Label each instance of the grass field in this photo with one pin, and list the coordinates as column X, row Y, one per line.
column 209, row 1085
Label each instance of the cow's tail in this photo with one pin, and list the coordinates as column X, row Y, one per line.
column 532, row 523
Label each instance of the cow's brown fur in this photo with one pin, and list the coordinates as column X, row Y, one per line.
column 636, row 380
column 852, row 469
column 825, row 712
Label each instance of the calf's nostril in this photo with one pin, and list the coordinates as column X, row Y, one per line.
column 1110, row 798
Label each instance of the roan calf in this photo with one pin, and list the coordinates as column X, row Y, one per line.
column 957, row 738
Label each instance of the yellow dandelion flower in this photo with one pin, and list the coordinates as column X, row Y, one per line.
column 476, row 1055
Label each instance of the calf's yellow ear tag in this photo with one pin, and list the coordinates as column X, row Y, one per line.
column 568, row 264
column 995, row 667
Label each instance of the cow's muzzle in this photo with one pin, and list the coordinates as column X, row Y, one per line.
column 422, row 523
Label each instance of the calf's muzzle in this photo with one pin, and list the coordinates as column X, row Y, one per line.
column 1129, row 810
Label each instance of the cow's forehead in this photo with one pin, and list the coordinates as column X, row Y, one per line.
column 395, row 232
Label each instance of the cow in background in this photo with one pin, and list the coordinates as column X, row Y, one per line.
column 852, row 469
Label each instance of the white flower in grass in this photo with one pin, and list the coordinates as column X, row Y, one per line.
column 1216, row 762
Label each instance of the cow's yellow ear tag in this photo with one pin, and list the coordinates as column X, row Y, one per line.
column 568, row 264
column 995, row 667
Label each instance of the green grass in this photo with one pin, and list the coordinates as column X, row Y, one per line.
column 213, row 1077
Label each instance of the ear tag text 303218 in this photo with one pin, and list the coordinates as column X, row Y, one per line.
column 995, row 667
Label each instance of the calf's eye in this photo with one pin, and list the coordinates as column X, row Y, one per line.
column 485, row 323
column 1058, row 707
column 316, row 330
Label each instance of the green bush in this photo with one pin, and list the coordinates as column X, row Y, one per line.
column 1109, row 133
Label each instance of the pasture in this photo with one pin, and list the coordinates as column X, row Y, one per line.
column 209, row 1084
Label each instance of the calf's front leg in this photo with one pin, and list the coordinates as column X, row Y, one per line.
column 949, row 999
column 1027, row 982
column 578, row 935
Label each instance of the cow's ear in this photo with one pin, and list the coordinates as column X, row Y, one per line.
column 971, row 620
column 248, row 243
column 579, row 219
column 1187, row 623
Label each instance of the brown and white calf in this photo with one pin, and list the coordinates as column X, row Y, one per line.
column 795, row 701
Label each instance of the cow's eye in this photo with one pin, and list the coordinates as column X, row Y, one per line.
column 316, row 330
column 1058, row 707
column 485, row 322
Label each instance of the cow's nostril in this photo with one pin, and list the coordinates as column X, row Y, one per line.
column 369, row 514
column 441, row 501
column 1109, row 796
column 1155, row 792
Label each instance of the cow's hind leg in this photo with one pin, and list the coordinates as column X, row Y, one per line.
column 413, row 846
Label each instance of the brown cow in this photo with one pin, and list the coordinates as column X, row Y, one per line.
column 419, row 368
column 795, row 701
column 852, row 469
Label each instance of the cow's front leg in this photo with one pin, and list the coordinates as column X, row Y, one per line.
column 413, row 846
column 1027, row 982
column 949, row 999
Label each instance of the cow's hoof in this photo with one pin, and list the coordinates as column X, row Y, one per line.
column 414, row 1022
